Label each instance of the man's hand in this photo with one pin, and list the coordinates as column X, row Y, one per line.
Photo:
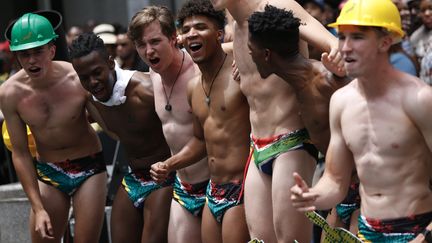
column 334, row 64
column 43, row 225
column 235, row 71
column 159, row 172
column 301, row 198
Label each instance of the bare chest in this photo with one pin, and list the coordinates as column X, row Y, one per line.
column 57, row 105
column 378, row 131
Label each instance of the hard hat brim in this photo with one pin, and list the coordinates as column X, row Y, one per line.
column 30, row 45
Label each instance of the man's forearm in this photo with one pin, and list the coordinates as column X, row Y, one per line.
column 27, row 175
column 192, row 152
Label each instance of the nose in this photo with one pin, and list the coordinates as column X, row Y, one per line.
column 191, row 33
column 345, row 45
column 93, row 82
column 149, row 51
column 32, row 58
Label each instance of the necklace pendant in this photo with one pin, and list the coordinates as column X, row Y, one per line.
column 168, row 107
column 207, row 100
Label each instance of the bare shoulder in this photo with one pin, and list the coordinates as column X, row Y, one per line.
column 417, row 94
column 15, row 88
column 345, row 93
column 194, row 82
column 143, row 78
column 141, row 84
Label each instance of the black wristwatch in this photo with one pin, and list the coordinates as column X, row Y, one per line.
column 428, row 235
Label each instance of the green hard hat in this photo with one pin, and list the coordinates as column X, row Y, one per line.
column 30, row 31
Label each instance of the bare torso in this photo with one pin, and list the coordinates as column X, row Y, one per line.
column 392, row 158
column 313, row 85
column 136, row 123
column 177, row 124
column 55, row 113
column 225, row 123
column 273, row 104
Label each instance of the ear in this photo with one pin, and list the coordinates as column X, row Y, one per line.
column 52, row 49
column 385, row 43
column 111, row 63
column 173, row 39
column 220, row 35
column 267, row 54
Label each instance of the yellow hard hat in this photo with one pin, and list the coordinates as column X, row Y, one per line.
column 378, row 13
column 8, row 144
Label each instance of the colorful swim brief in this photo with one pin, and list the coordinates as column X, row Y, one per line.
column 139, row 185
column 191, row 196
column 68, row 175
column 393, row 230
column 351, row 203
column 221, row 197
column 266, row 150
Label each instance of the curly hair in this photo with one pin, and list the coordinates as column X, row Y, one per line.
column 85, row 43
column 201, row 7
column 275, row 28
column 148, row 15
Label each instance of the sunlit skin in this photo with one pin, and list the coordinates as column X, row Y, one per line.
column 357, row 54
column 223, row 122
column 34, row 61
column 155, row 48
column 274, row 111
column 374, row 121
column 313, row 83
column 97, row 79
column 171, row 70
column 47, row 96
column 139, row 129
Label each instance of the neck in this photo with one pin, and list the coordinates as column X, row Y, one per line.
column 170, row 74
column 49, row 79
column 298, row 74
column 242, row 9
column 210, row 67
column 374, row 83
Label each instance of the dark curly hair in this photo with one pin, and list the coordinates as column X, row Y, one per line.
column 85, row 43
column 275, row 29
column 200, row 7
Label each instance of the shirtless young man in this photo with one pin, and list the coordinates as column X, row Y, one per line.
column 125, row 101
column 374, row 122
column 275, row 121
column 221, row 118
column 47, row 96
column 171, row 69
column 273, row 45
column 311, row 80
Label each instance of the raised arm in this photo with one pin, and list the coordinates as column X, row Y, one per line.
column 333, row 185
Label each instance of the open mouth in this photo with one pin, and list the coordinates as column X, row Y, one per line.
column 195, row 46
column 349, row 60
column 34, row 69
column 97, row 91
column 154, row 61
